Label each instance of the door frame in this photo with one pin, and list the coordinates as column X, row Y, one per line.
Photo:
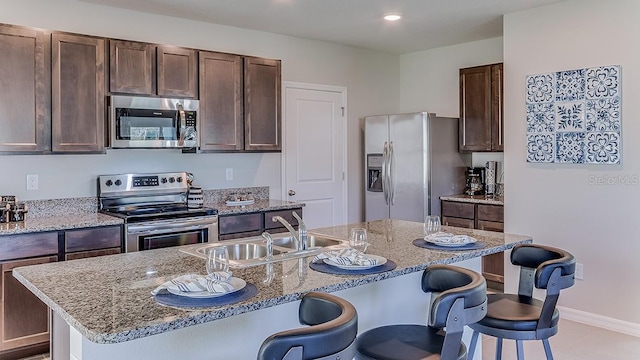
column 345, row 175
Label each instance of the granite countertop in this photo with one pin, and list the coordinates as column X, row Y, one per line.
column 259, row 205
column 475, row 199
column 56, row 223
column 108, row 306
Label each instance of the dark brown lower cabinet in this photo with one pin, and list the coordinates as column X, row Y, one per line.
column 483, row 217
column 24, row 319
column 235, row 226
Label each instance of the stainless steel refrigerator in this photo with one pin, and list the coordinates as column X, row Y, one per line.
column 410, row 161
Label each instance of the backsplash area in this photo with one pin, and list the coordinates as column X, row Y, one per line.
column 83, row 205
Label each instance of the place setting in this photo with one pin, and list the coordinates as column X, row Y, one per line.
column 352, row 260
column 436, row 239
column 219, row 287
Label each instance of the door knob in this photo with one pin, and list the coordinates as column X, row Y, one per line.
column 292, row 193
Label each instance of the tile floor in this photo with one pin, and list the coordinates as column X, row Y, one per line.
column 574, row 341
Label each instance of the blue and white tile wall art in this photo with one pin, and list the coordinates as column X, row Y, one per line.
column 574, row 116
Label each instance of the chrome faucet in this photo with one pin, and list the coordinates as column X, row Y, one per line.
column 269, row 240
column 300, row 236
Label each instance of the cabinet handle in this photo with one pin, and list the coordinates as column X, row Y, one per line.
column 499, row 107
column 464, row 107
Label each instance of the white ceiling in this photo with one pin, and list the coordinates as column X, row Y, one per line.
column 426, row 24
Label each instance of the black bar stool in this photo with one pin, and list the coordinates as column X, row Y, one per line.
column 332, row 332
column 458, row 297
column 521, row 317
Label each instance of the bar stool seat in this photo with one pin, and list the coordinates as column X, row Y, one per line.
column 331, row 334
column 458, row 297
column 513, row 312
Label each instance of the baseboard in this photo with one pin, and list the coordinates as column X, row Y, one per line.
column 621, row 326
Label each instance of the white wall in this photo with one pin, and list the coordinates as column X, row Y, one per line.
column 429, row 81
column 558, row 204
column 370, row 77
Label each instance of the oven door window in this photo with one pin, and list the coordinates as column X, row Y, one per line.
column 173, row 239
column 140, row 124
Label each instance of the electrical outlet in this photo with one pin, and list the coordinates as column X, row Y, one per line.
column 579, row 271
column 229, row 174
column 32, row 182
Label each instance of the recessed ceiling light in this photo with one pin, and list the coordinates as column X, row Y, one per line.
column 392, row 17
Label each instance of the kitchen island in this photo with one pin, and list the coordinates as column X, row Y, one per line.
column 110, row 312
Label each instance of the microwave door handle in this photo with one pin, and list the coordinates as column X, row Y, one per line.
column 183, row 124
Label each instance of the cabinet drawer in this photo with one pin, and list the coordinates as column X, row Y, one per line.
column 490, row 226
column 92, row 253
column 28, row 245
column 240, row 223
column 286, row 214
column 458, row 209
column 491, row 212
column 457, row 222
column 92, row 239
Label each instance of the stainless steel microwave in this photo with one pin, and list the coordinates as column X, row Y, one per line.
column 146, row 122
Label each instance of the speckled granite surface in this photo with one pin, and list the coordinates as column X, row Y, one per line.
column 55, row 223
column 109, row 306
column 259, row 205
column 476, row 199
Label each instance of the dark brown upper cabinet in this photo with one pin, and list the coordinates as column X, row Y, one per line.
column 262, row 104
column 25, row 85
column 481, row 107
column 147, row 69
column 220, row 113
column 78, row 93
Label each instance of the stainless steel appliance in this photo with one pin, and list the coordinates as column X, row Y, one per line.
column 410, row 161
column 475, row 181
column 145, row 122
column 154, row 207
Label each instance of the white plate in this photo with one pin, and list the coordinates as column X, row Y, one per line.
column 454, row 241
column 237, row 283
column 380, row 261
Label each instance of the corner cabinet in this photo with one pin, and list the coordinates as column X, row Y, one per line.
column 262, row 104
column 78, row 94
column 481, row 108
column 483, row 217
column 146, row 69
column 25, row 104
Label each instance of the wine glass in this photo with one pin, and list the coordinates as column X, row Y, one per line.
column 217, row 259
column 358, row 239
column 431, row 225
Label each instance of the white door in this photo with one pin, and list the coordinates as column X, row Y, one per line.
column 314, row 156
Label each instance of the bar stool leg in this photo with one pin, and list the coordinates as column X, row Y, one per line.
column 498, row 348
column 519, row 350
column 472, row 345
column 547, row 349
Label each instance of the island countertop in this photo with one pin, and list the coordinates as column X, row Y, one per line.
column 108, row 299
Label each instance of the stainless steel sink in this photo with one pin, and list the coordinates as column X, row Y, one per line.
column 240, row 251
column 312, row 241
column 253, row 251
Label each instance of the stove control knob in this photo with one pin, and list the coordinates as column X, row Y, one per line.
column 108, row 183
column 118, row 182
column 179, row 179
column 171, row 180
column 163, row 180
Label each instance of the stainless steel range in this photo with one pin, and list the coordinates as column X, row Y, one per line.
column 154, row 208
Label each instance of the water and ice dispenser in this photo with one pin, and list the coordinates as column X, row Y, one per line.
column 374, row 172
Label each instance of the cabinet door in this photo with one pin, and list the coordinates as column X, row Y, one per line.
column 24, row 319
column 493, row 267
column 230, row 224
column 177, row 72
column 457, row 222
column 220, row 113
column 25, row 85
column 262, row 104
column 497, row 123
column 270, row 225
column 475, row 109
column 132, row 67
column 78, row 93
column 92, row 239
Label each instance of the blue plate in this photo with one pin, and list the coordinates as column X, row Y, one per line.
column 164, row 297
column 427, row 245
column 329, row 269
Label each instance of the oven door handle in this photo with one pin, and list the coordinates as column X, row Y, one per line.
column 160, row 227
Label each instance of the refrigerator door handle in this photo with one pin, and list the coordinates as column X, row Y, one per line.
column 385, row 175
column 392, row 182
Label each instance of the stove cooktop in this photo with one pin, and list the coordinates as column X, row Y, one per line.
column 137, row 214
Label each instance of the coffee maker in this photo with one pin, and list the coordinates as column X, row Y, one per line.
column 475, row 180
